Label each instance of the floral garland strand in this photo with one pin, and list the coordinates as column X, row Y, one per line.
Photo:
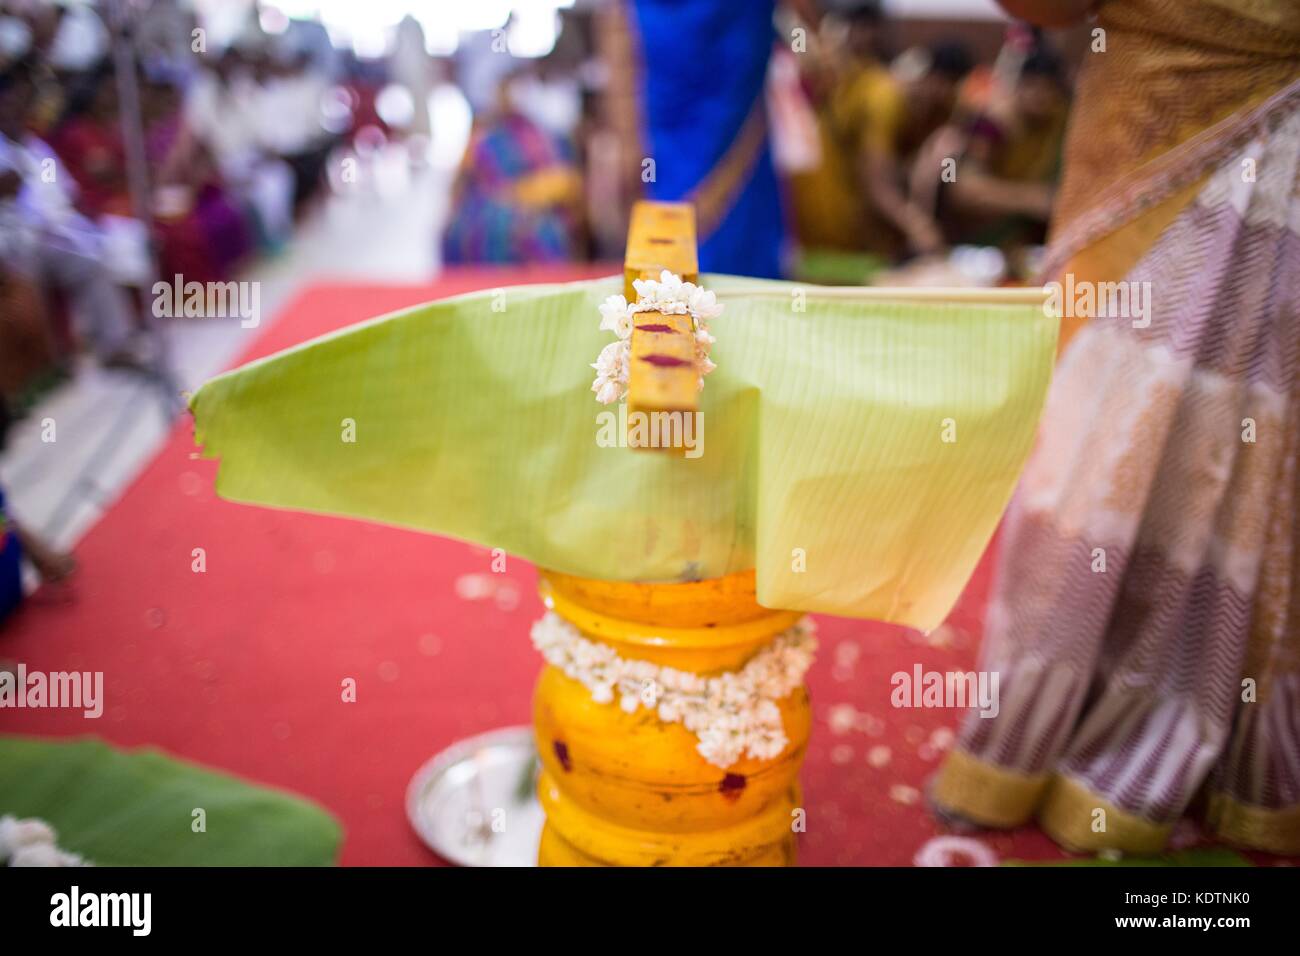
column 734, row 714
column 32, row 843
column 669, row 295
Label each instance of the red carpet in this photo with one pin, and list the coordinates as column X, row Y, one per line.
column 240, row 667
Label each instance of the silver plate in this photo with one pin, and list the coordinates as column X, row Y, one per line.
column 475, row 804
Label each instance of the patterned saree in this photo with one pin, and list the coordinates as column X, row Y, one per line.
column 1145, row 622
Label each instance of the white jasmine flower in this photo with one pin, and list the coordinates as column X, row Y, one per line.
column 668, row 295
column 706, row 366
column 612, row 361
column 704, row 304
column 32, row 843
column 670, row 287
column 733, row 714
column 613, row 305
column 16, row 834
column 616, row 317
column 44, row 854
column 611, row 371
column 608, row 390
column 646, row 288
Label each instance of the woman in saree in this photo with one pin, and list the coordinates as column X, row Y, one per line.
column 1145, row 621
column 516, row 196
column 688, row 83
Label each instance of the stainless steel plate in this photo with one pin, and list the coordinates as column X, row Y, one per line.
column 475, row 803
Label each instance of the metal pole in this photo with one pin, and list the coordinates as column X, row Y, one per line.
column 120, row 21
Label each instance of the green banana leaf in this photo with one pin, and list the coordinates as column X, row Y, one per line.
column 826, row 463
column 137, row 808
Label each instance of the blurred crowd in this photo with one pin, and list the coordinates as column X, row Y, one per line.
column 132, row 151
column 134, row 148
column 884, row 151
column 175, row 159
column 918, row 152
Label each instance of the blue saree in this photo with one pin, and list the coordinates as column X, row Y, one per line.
column 702, row 67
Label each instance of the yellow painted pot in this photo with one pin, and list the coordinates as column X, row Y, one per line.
column 627, row 789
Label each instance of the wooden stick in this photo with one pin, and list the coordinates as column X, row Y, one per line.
column 662, row 376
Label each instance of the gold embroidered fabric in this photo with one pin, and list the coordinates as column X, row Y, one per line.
column 1208, row 60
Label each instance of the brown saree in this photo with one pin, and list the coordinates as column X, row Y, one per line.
column 1145, row 622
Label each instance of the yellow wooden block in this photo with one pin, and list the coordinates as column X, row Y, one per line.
column 661, row 236
column 662, row 376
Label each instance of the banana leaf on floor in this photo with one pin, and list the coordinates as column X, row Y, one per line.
column 140, row 807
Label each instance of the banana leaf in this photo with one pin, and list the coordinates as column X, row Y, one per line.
column 859, row 445
column 137, row 808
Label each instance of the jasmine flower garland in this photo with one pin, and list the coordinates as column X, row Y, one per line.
column 32, row 843
column 734, row 714
column 668, row 295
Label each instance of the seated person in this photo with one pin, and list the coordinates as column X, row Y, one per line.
column 518, row 193
column 45, row 239
column 1006, row 179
